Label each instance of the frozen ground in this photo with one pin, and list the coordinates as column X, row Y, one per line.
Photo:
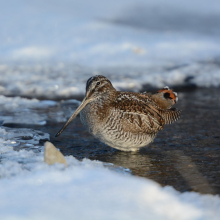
column 31, row 189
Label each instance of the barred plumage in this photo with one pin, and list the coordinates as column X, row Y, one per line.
column 124, row 120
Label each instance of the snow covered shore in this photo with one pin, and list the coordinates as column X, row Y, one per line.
column 31, row 189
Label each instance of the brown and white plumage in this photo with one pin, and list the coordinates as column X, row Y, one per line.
column 124, row 120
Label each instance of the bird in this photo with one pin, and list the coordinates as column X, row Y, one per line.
column 126, row 121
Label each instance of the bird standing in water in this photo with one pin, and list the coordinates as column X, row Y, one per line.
column 124, row 120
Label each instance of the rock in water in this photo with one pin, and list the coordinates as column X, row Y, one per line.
column 52, row 155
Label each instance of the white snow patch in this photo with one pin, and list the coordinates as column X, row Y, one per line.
column 65, row 81
column 31, row 189
column 32, row 52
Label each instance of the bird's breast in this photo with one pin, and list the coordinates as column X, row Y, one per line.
column 93, row 116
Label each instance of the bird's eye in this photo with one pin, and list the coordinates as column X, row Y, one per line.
column 97, row 83
column 167, row 95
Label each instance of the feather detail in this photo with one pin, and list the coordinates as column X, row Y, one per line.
column 170, row 115
column 141, row 114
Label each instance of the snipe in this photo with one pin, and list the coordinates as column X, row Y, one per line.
column 124, row 120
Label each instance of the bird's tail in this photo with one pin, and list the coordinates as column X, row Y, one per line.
column 170, row 115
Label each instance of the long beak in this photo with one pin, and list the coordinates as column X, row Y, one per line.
column 82, row 105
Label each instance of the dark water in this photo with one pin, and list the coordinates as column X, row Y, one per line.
column 185, row 155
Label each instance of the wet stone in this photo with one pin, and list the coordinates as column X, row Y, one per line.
column 26, row 138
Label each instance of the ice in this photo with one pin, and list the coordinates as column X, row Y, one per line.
column 31, row 189
column 17, row 110
column 22, row 135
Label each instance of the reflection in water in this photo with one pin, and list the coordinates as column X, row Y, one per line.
column 189, row 171
column 170, row 168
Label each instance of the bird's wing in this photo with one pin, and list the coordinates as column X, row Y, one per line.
column 137, row 113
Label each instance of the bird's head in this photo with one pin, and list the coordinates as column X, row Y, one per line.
column 97, row 87
column 165, row 98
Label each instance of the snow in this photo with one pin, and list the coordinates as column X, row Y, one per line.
column 31, row 189
column 48, row 49
column 67, row 81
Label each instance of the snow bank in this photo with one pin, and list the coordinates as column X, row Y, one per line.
column 31, row 189
column 69, row 81
column 49, row 49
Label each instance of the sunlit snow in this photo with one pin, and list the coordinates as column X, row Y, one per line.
column 31, row 189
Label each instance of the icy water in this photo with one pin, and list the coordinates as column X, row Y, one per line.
column 185, row 155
